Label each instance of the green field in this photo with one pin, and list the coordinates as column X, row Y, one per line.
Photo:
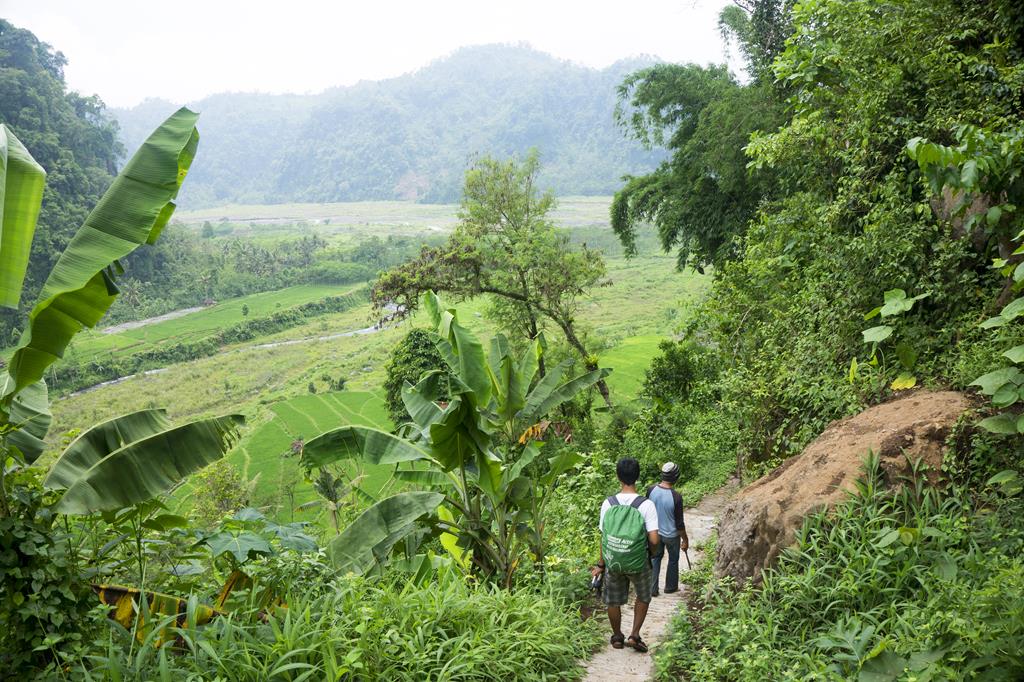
column 199, row 324
column 262, row 454
column 642, row 301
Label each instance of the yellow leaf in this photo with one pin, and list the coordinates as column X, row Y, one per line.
column 903, row 382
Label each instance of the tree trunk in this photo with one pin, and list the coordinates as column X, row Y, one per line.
column 574, row 341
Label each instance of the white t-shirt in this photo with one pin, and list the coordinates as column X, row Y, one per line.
column 646, row 509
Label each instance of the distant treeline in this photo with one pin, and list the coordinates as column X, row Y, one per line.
column 69, row 375
column 409, row 137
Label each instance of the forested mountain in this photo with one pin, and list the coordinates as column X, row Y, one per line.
column 410, row 137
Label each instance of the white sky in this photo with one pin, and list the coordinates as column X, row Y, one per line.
column 182, row 50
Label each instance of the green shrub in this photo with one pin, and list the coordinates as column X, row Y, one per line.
column 44, row 600
column 924, row 583
column 410, row 358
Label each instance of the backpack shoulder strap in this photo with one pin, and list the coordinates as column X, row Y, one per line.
column 613, row 501
column 637, row 501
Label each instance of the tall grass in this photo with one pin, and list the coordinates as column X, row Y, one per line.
column 355, row 629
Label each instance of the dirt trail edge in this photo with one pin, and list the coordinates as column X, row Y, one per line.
column 625, row 665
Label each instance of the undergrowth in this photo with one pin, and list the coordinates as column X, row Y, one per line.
column 360, row 629
column 925, row 583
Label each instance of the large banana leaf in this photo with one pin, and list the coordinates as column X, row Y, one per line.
column 359, row 442
column 420, row 400
column 80, row 288
column 101, row 440
column 143, row 469
column 545, row 398
column 30, row 413
column 21, row 194
column 367, row 542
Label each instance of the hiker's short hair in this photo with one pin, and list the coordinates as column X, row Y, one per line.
column 628, row 470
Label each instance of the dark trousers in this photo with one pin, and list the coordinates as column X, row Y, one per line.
column 671, row 545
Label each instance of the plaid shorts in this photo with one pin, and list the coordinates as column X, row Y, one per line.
column 616, row 586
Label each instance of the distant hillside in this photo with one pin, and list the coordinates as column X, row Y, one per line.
column 409, row 137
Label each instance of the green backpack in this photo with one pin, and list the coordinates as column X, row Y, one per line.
column 624, row 537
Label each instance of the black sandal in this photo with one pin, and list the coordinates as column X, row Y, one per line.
column 637, row 644
column 617, row 641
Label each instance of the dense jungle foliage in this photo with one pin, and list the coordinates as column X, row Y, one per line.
column 856, row 199
column 885, row 237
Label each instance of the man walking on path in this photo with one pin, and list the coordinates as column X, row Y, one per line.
column 628, row 523
column 671, row 528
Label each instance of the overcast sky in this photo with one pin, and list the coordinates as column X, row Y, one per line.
column 127, row 50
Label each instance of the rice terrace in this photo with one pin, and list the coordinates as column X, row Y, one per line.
column 407, row 342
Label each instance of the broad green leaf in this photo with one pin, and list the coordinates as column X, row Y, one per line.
column 368, row 540
column 885, row 667
column 1006, row 395
column 992, row 322
column 165, row 522
column 904, row 381
column 510, row 394
column 1018, row 272
column 426, row 478
column 93, row 445
column 472, row 368
column 30, row 413
column 894, row 301
column 450, row 540
column 1009, row 481
column 80, row 288
column 430, row 302
column 1015, row 354
column 456, row 438
column 909, row 536
column 874, row 312
column 559, row 395
column 249, row 514
column 21, row 194
column 544, row 388
column 242, row 546
column 529, row 363
column 1003, row 477
column 419, row 400
column 877, row 334
column 1013, row 309
column 1001, row 423
column 559, row 464
column 996, row 379
column 993, row 216
column 293, row 536
column 145, row 468
column 888, row 538
column 359, row 442
column 969, row 174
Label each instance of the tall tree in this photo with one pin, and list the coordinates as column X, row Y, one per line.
column 702, row 197
column 506, row 246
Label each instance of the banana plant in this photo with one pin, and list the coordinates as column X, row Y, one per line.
column 477, row 473
column 81, row 287
column 134, row 458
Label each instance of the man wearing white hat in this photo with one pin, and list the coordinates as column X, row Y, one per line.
column 671, row 528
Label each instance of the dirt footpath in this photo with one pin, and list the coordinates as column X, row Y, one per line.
column 622, row 665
